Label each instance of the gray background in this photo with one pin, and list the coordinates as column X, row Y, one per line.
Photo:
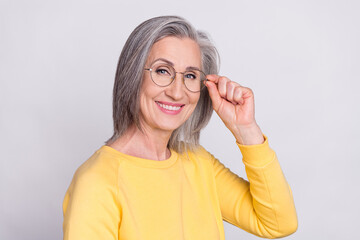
column 301, row 58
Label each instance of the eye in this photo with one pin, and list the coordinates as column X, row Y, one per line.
column 163, row 71
column 190, row 76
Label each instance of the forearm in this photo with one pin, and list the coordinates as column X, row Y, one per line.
column 248, row 135
column 270, row 194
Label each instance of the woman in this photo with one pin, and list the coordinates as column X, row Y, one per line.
column 152, row 180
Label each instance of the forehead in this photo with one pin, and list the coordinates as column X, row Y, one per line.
column 182, row 52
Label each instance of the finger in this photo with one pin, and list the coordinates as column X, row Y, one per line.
column 214, row 94
column 213, row 78
column 230, row 87
column 248, row 94
column 238, row 95
column 221, row 85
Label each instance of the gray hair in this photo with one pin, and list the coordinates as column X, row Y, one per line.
column 129, row 75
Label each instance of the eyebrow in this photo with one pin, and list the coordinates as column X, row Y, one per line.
column 172, row 64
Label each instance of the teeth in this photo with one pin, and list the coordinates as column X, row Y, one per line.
column 168, row 107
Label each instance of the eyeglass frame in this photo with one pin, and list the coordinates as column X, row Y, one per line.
column 173, row 78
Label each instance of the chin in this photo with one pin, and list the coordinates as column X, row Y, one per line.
column 170, row 127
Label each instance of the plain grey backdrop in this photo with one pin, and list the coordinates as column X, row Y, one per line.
column 301, row 58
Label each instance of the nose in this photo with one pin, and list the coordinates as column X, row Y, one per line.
column 176, row 89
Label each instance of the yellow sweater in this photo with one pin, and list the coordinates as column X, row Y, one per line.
column 117, row 196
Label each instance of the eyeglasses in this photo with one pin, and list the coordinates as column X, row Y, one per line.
column 163, row 75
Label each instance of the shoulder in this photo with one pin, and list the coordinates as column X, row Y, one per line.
column 200, row 154
column 200, row 151
column 99, row 170
column 91, row 204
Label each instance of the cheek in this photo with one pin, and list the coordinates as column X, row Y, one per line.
column 147, row 91
column 194, row 100
column 144, row 101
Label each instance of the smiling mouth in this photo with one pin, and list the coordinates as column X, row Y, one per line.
column 172, row 107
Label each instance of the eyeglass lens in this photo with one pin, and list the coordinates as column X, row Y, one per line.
column 163, row 75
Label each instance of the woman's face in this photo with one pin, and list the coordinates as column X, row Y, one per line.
column 166, row 108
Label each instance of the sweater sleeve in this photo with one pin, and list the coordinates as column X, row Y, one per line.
column 263, row 205
column 90, row 207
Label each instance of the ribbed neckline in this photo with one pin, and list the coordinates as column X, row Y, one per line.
column 143, row 162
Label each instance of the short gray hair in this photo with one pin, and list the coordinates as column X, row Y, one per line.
column 129, row 76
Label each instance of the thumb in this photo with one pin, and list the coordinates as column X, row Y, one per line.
column 214, row 94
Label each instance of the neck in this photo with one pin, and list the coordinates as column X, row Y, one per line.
column 148, row 144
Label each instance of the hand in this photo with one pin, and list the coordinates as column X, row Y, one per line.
column 235, row 106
